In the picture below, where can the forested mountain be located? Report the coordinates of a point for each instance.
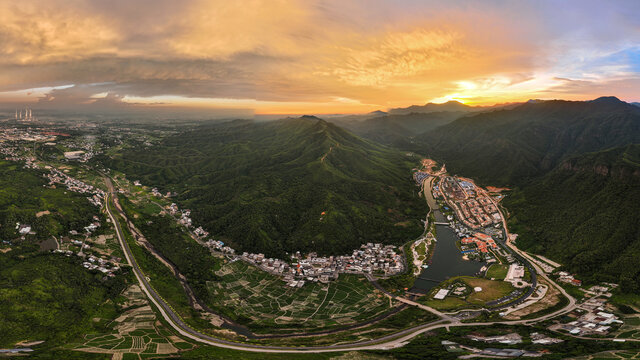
(511, 146)
(575, 167)
(585, 214)
(450, 106)
(281, 186)
(398, 130)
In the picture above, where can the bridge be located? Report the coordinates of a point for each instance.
(442, 223)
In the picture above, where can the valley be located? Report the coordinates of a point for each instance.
(204, 287)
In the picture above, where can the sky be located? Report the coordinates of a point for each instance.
(314, 57)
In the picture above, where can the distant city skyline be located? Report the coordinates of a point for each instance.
(315, 57)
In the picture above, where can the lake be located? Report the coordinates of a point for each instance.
(447, 260)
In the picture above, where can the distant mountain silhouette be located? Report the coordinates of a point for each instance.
(508, 146)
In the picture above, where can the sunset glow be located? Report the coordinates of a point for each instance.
(321, 57)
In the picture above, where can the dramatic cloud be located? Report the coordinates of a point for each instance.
(314, 56)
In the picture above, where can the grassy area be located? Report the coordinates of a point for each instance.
(421, 250)
(447, 304)
(497, 271)
(264, 302)
(491, 290)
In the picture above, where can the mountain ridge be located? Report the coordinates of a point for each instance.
(296, 184)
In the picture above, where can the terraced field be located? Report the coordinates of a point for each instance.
(261, 300)
(137, 334)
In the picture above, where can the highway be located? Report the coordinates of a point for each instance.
(386, 342)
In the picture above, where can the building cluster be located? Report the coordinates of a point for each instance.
(78, 155)
(419, 176)
(100, 264)
(56, 176)
(20, 134)
(592, 319)
(515, 274)
(454, 347)
(92, 262)
(185, 218)
(508, 339)
(482, 243)
(155, 192)
(538, 338)
(24, 229)
(471, 204)
(370, 258)
(568, 278)
(219, 246)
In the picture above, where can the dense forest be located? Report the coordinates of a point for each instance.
(509, 147)
(585, 214)
(282, 186)
(52, 297)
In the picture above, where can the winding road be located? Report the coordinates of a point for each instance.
(385, 342)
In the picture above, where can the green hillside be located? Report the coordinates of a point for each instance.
(23, 194)
(586, 215)
(398, 129)
(265, 186)
(52, 298)
(511, 146)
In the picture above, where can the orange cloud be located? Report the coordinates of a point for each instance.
(308, 56)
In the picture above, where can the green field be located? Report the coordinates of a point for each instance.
(421, 250)
(261, 300)
(497, 271)
(491, 290)
(135, 331)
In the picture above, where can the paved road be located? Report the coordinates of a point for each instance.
(538, 270)
(386, 342)
(179, 325)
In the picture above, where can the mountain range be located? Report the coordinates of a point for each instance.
(311, 185)
(281, 186)
(507, 147)
(574, 167)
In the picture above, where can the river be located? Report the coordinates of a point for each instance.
(446, 261)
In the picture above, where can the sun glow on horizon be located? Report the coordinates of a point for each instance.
(265, 57)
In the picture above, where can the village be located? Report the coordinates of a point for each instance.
(371, 258)
(378, 259)
(95, 259)
(472, 205)
(56, 176)
(593, 317)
